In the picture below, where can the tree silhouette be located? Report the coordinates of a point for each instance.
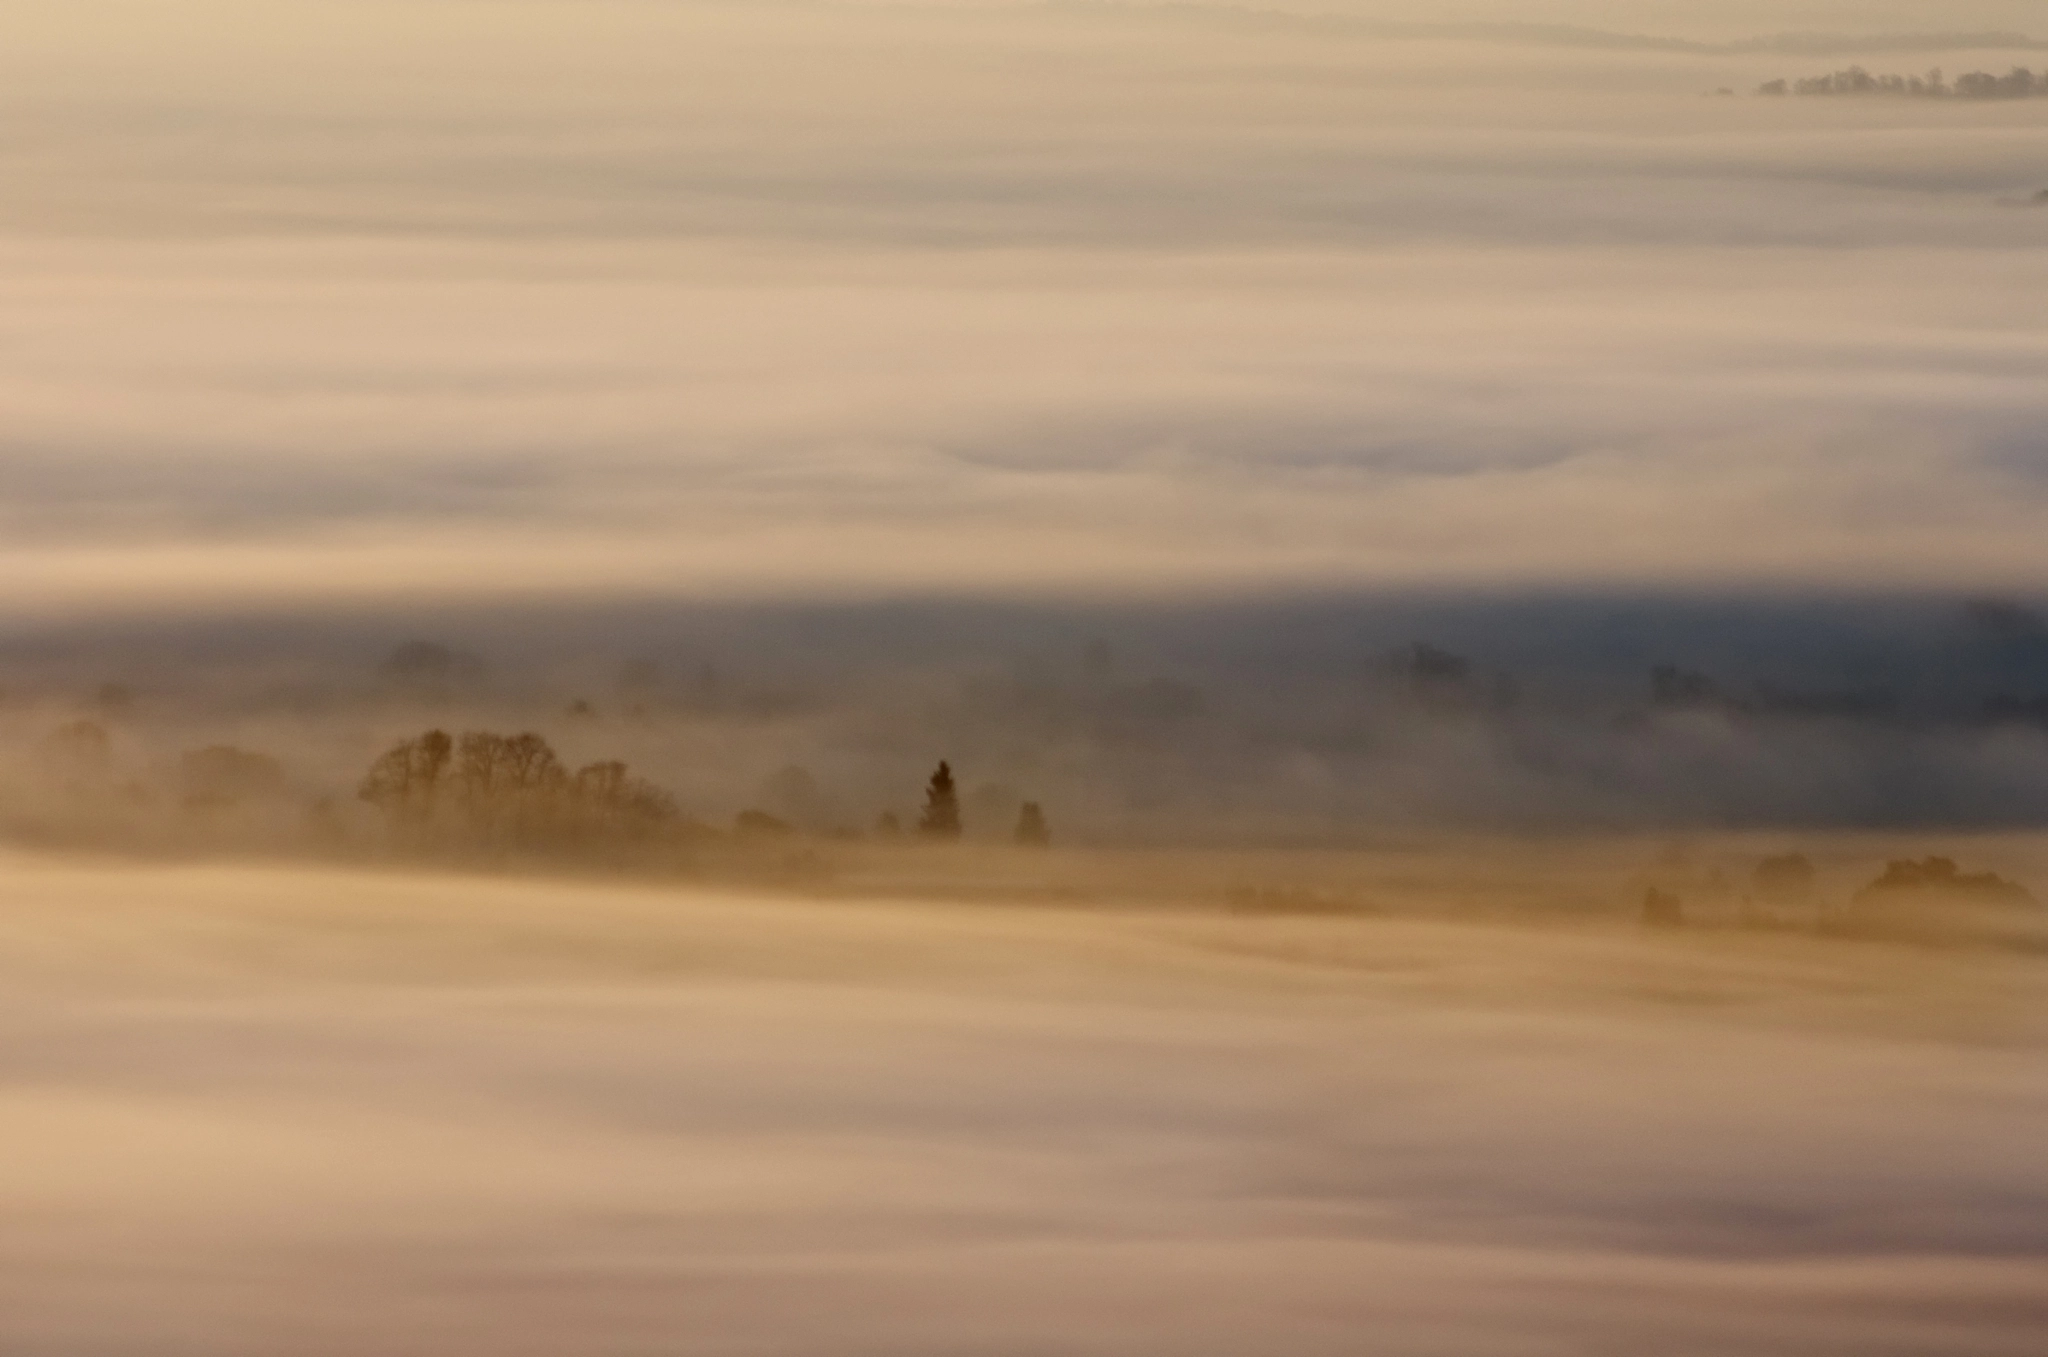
(406, 779)
(428, 668)
(1031, 830)
(941, 819)
(2018, 83)
(80, 754)
(512, 792)
(606, 799)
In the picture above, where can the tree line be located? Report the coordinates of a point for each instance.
(510, 790)
(2018, 83)
(507, 792)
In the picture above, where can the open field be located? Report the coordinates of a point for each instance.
(262, 1110)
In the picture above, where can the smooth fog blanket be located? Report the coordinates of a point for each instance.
(253, 1112)
(310, 303)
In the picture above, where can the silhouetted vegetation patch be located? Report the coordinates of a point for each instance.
(510, 792)
(1031, 831)
(78, 754)
(1941, 878)
(1933, 900)
(2018, 83)
(429, 663)
(2003, 618)
(1677, 690)
(1674, 688)
(941, 818)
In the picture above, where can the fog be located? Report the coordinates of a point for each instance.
(1268, 720)
(1009, 678)
(248, 1111)
(324, 307)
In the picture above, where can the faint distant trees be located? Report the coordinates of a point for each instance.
(2005, 620)
(1941, 879)
(1031, 829)
(1434, 678)
(222, 775)
(610, 793)
(1429, 668)
(639, 685)
(428, 667)
(793, 795)
(1671, 686)
(1783, 880)
(1676, 689)
(941, 818)
(1934, 900)
(2018, 83)
(79, 752)
(1447, 684)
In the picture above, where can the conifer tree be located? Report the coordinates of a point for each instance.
(941, 819)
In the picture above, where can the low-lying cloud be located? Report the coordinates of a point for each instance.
(331, 1112)
(720, 302)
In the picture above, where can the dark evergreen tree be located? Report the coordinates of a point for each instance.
(1031, 830)
(941, 819)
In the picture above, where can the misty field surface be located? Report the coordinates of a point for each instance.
(263, 1110)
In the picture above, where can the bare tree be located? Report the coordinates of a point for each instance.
(405, 781)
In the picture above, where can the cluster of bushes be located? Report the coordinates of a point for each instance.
(2018, 83)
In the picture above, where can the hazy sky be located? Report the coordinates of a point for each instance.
(449, 299)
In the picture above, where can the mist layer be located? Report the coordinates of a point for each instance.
(454, 301)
